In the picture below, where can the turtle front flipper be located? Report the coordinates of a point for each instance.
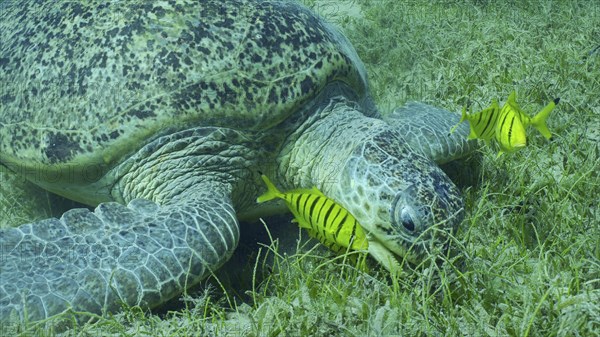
(140, 254)
(427, 130)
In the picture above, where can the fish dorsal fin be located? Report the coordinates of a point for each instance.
(512, 98)
(313, 190)
(512, 102)
(494, 104)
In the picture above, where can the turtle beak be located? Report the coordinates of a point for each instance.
(384, 256)
(393, 256)
(390, 259)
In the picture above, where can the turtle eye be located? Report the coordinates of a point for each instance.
(403, 212)
(407, 220)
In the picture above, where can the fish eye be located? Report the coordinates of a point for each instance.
(407, 220)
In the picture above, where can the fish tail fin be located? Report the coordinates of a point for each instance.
(463, 117)
(472, 134)
(539, 120)
(271, 193)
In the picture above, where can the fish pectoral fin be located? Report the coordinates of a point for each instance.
(359, 243)
(335, 247)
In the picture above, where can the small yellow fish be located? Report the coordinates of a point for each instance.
(510, 129)
(483, 123)
(508, 125)
(321, 216)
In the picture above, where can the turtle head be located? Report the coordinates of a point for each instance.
(402, 199)
(406, 204)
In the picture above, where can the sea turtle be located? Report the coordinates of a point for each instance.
(161, 114)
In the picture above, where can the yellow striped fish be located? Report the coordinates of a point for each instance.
(321, 216)
(512, 121)
(508, 125)
(483, 123)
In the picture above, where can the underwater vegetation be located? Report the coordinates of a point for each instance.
(525, 261)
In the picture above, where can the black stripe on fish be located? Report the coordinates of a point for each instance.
(479, 118)
(316, 209)
(303, 209)
(512, 121)
(492, 114)
(297, 197)
(313, 202)
(327, 212)
(353, 233)
(503, 122)
(340, 225)
(338, 209)
(320, 204)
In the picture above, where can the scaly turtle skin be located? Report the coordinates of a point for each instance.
(161, 115)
